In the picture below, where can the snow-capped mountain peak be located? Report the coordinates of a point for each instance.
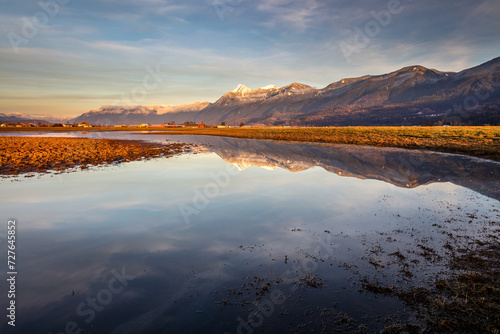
(269, 87)
(241, 89)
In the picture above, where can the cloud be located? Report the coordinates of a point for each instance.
(114, 46)
(290, 13)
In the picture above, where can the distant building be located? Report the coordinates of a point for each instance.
(145, 125)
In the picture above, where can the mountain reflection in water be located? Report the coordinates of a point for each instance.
(400, 167)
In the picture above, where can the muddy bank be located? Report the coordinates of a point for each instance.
(20, 155)
(425, 276)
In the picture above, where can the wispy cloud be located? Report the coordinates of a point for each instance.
(290, 13)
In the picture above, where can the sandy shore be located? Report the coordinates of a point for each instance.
(20, 155)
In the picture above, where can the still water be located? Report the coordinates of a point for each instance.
(242, 236)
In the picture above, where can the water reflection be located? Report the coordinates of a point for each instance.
(77, 230)
(399, 167)
(402, 168)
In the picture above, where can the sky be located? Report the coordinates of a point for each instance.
(66, 57)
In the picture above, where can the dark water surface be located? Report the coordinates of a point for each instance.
(245, 236)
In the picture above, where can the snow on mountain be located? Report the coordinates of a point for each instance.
(241, 89)
(116, 115)
(42, 117)
(108, 109)
(269, 87)
(161, 110)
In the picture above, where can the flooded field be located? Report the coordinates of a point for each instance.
(249, 236)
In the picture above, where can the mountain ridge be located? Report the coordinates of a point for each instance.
(412, 95)
(128, 115)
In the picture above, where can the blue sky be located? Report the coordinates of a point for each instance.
(74, 55)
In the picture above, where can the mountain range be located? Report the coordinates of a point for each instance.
(14, 118)
(413, 95)
(128, 115)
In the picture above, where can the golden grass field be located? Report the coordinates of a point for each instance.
(36, 154)
(477, 141)
(480, 141)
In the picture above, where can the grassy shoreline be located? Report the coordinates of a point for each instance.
(482, 141)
